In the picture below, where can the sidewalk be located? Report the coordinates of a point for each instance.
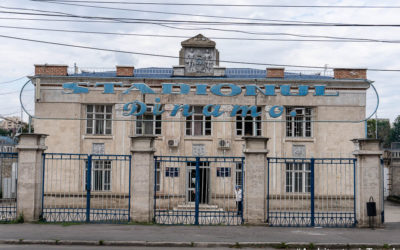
(199, 236)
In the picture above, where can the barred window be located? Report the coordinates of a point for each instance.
(101, 175)
(248, 125)
(148, 123)
(299, 125)
(223, 172)
(198, 124)
(171, 172)
(298, 176)
(239, 174)
(99, 119)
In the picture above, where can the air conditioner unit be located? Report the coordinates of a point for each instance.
(173, 143)
(225, 144)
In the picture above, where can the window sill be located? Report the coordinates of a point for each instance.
(104, 137)
(299, 139)
(198, 138)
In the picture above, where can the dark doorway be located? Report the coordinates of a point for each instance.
(204, 177)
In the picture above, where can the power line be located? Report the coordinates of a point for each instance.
(12, 80)
(173, 13)
(336, 39)
(13, 92)
(228, 5)
(176, 57)
(168, 21)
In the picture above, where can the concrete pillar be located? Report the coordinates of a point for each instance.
(369, 179)
(255, 188)
(30, 176)
(142, 178)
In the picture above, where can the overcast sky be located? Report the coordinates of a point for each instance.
(18, 57)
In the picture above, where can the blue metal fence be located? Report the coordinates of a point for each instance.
(198, 190)
(8, 186)
(311, 192)
(86, 188)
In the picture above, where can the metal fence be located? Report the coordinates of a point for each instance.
(86, 188)
(198, 190)
(8, 186)
(311, 192)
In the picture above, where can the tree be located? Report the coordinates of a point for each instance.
(395, 131)
(4, 132)
(383, 130)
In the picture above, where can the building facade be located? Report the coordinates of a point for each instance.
(201, 109)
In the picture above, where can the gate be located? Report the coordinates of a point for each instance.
(86, 188)
(311, 192)
(8, 186)
(198, 190)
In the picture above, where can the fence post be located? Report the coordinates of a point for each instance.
(142, 178)
(30, 176)
(368, 179)
(254, 207)
(88, 187)
(312, 193)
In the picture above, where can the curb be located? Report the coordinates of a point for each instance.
(277, 245)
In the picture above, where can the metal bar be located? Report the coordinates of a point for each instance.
(197, 191)
(354, 187)
(43, 169)
(155, 189)
(88, 187)
(129, 187)
(268, 191)
(312, 193)
(243, 191)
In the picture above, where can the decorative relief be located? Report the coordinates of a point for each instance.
(199, 149)
(199, 60)
(299, 151)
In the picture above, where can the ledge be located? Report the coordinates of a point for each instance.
(300, 139)
(198, 138)
(104, 137)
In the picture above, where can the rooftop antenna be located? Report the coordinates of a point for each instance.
(325, 69)
(75, 69)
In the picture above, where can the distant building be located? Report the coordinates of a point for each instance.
(7, 144)
(11, 123)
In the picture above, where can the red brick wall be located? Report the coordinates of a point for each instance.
(51, 70)
(350, 73)
(276, 72)
(125, 70)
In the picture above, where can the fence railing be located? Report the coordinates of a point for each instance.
(8, 185)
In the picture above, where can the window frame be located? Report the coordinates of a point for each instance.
(256, 124)
(299, 126)
(239, 174)
(91, 122)
(192, 121)
(224, 172)
(298, 180)
(105, 187)
(155, 121)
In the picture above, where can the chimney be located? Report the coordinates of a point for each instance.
(51, 70)
(125, 70)
(275, 72)
(342, 73)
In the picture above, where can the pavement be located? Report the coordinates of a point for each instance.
(82, 236)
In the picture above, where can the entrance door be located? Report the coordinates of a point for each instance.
(203, 179)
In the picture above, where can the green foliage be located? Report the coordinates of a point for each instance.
(383, 130)
(5, 132)
(395, 131)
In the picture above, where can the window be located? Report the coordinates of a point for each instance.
(171, 172)
(223, 172)
(299, 125)
(98, 119)
(298, 177)
(148, 123)
(158, 177)
(101, 175)
(239, 174)
(248, 125)
(198, 124)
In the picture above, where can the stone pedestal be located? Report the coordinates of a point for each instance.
(142, 178)
(369, 179)
(30, 176)
(255, 179)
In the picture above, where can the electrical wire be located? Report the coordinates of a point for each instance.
(169, 56)
(226, 5)
(217, 23)
(354, 40)
(7, 82)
